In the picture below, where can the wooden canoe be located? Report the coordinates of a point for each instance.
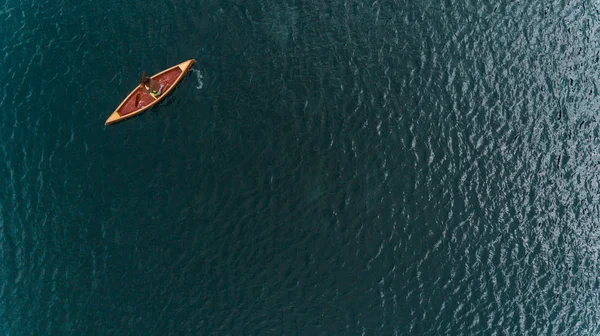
(169, 77)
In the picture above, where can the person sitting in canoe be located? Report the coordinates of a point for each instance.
(152, 86)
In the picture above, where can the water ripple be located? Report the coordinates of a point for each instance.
(351, 168)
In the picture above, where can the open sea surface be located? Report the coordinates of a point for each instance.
(345, 167)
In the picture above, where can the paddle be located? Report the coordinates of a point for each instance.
(137, 97)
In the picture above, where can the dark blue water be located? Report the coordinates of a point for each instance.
(327, 168)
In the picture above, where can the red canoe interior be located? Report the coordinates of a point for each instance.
(145, 98)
